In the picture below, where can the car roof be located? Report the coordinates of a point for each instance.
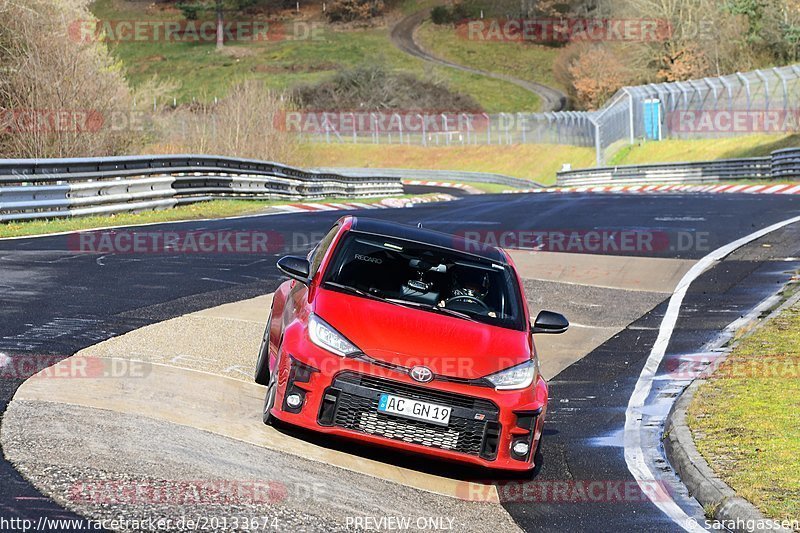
(427, 236)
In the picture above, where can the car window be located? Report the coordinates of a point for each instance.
(427, 277)
(318, 253)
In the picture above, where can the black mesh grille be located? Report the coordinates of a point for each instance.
(418, 393)
(464, 434)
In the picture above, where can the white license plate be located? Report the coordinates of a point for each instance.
(414, 409)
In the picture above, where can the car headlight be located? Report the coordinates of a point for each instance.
(323, 335)
(516, 377)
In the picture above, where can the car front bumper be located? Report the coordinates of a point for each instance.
(340, 397)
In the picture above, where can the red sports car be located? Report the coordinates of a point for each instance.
(411, 339)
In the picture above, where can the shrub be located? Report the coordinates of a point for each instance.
(596, 72)
(373, 88)
(450, 15)
(191, 11)
(353, 10)
(47, 71)
(243, 124)
(441, 15)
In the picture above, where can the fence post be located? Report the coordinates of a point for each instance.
(400, 125)
(597, 144)
(746, 83)
(630, 112)
(785, 89)
(765, 81)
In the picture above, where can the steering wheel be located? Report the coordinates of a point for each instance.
(470, 299)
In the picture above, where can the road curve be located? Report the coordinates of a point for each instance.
(57, 300)
(402, 36)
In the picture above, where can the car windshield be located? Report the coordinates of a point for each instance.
(426, 277)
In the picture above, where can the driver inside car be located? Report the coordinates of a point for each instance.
(469, 288)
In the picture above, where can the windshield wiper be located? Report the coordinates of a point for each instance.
(353, 290)
(434, 308)
(405, 303)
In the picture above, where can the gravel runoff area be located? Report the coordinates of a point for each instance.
(143, 469)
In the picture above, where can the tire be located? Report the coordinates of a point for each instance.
(538, 458)
(262, 366)
(269, 401)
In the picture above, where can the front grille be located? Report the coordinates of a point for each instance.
(352, 403)
(417, 393)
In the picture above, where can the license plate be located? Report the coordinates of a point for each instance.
(414, 409)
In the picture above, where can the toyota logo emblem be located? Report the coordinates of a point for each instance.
(422, 374)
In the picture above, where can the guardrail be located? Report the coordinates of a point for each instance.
(781, 164)
(786, 164)
(51, 188)
(696, 172)
(437, 175)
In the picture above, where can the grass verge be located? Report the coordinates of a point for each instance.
(674, 150)
(746, 418)
(535, 162)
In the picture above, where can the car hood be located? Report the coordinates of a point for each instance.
(407, 337)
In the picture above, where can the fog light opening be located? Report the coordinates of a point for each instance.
(521, 448)
(294, 400)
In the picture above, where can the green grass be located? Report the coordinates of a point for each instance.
(202, 73)
(746, 422)
(529, 161)
(703, 149)
(527, 61)
(203, 210)
(535, 162)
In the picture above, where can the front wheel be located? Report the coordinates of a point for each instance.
(262, 366)
(537, 455)
(269, 400)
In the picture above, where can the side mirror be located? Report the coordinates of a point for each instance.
(296, 268)
(549, 322)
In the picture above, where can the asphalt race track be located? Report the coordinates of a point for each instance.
(56, 300)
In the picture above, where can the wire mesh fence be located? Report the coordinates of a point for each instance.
(761, 101)
(441, 129)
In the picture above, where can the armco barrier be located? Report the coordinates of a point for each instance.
(50, 188)
(781, 164)
(786, 164)
(437, 175)
(697, 172)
